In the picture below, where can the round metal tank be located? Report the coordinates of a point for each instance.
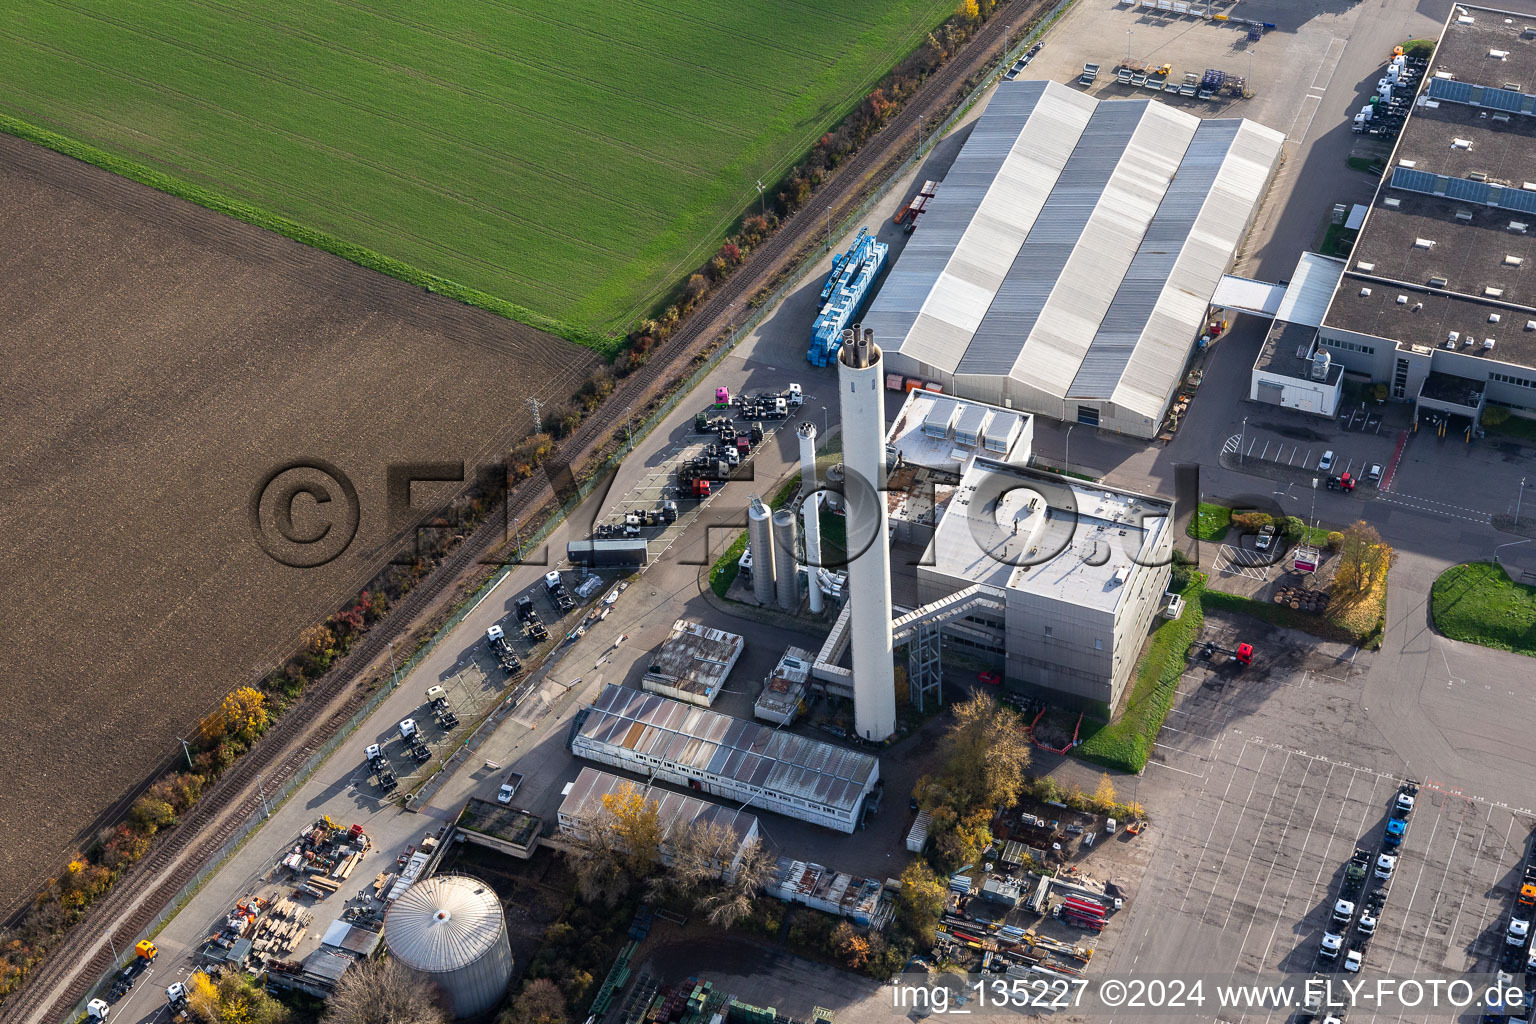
(760, 539)
(786, 573)
(450, 930)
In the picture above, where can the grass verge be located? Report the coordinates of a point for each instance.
(1127, 743)
(1210, 522)
(1359, 622)
(1478, 603)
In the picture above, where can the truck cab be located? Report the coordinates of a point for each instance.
(509, 788)
(1519, 931)
(374, 753)
(1332, 943)
(493, 636)
(795, 395)
(1402, 806)
(1343, 912)
(1353, 960)
(1386, 863)
(436, 694)
(1396, 827)
(552, 581)
(1367, 924)
(408, 729)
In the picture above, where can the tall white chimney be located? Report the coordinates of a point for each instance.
(807, 432)
(860, 380)
(810, 509)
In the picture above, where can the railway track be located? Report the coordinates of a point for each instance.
(70, 971)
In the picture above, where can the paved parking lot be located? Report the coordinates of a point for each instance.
(1269, 779)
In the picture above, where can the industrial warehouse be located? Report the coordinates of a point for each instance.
(1066, 266)
(766, 769)
(1432, 301)
(583, 805)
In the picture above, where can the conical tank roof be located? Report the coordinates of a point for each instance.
(442, 924)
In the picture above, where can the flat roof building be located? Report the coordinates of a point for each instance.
(1435, 286)
(693, 662)
(1066, 265)
(784, 689)
(765, 769)
(1080, 568)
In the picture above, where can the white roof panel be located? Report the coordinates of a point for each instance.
(1312, 286)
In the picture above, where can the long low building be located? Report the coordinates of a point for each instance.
(1067, 264)
(766, 769)
(674, 811)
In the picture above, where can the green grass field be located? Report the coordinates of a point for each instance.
(576, 162)
(1478, 603)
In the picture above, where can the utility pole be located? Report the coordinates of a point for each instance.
(1313, 515)
(517, 536)
(262, 792)
(394, 677)
(762, 200)
(1242, 441)
(1518, 496)
(113, 946)
(829, 229)
(1066, 461)
(538, 421)
(629, 418)
(188, 750)
(1127, 45)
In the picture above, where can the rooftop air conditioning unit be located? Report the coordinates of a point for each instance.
(1364, 292)
(1493, 318)
(1487, 344)
(1402, 300)
(1451, 341)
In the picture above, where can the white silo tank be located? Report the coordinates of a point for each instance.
(450, 930)
(786, 573)
(760, 540)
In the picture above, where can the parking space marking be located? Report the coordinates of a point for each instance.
(1296, 871)
(1450, 935)
(1302, 123)
(1284, 833)
(1418, 879)
(1236, 562)
(1194, 875)
(1247, 802)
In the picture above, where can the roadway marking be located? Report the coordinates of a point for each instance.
(1476, 856)
(1263, 821)
(1232, 841)
(1303, 119)
(1194, 876)
(1331, 59)
(1435, 827)
(1439, 508)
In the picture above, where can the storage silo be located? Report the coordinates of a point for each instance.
(760, 540)
(786, 566)
(450, 930)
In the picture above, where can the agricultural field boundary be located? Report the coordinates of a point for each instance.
(262, 218)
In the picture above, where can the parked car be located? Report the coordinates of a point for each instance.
(1325, 463)
(1374, 474)
(1266, 537)
(990, 678)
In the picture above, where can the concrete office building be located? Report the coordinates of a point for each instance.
(1433, 301)
(1067, 265)
(1080, 569)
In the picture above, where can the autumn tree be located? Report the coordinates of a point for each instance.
(236, 998)
(1104, 796)
(619, 845)
(851, 946)
(245, 713)
(730, 901)
(920, 901)
(540, 1002)
(983, 756)
(1363, 558)
(384, 992)
(968, 11)
(317, 641)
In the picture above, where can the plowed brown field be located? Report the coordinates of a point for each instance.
(159, 361)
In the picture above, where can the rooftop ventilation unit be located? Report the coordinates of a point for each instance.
(1418, 306)
(1451, 341)
(1464, 215)
(1493, 293)
(1362, 265)
(1513, 261)
(1423, 243)
(1487, 344)
(1402, 300)
(1518, 226)
(1530, 325)
(1461, 143)
(1364, 292)
(1392, 202)
(1493, 318)
(1407, 163)
(1478, 175)
(1438, 282)
(1498, 54)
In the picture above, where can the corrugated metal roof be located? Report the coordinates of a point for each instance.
(1312, 285)
(444, 923)
(1078, 237)
(673, 810)
(729, 747)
